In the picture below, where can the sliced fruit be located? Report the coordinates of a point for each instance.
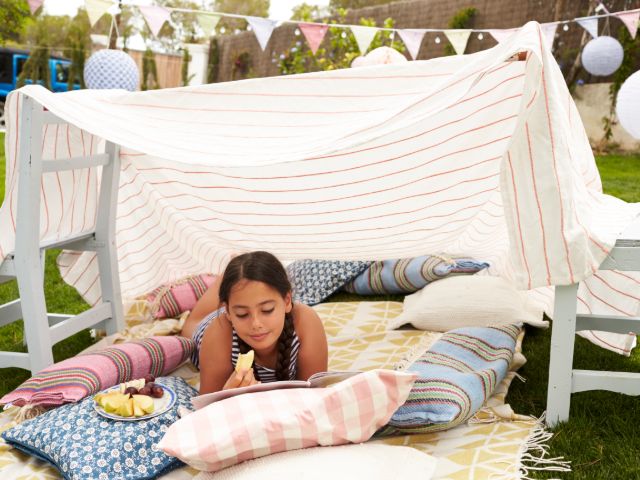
(113, 403)
(245, 361)
(126, 408)
(144, 403)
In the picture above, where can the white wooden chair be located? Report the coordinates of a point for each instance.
(563, 379)
(26, 263)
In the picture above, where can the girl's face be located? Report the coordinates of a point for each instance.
(256, 311)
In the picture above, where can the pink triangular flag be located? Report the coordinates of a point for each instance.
(501, 34)
(549, 32)
(314, 33)
(155, 17)
(590, 25)
(262, 29)
(630, 19)
(34, 5)
(413, 40)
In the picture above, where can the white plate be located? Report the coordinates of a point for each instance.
(160, 405)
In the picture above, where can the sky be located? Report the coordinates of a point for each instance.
(279, 10)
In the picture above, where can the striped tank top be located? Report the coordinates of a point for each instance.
(265, 374)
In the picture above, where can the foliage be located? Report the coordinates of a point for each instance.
(306, 12)
(336, 5)
(340, 52)
(78, 42)
(36, 68)
(186, 58)
(149, 71)
(462, 19)
(255, 8)
(214, 60)
(14, 15)
(241, 67)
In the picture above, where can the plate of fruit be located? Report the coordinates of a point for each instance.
(134, 400)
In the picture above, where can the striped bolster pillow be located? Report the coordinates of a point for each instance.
(75, 378)
(172, 299)
(407, 275)
(455, 377)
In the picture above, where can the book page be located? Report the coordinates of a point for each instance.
(326, 379)
(204, 400)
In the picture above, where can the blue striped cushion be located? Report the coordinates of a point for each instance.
(455, 377)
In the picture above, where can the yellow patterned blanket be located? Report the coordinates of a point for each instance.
(491, 445)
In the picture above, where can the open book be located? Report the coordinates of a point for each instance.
(317, 380)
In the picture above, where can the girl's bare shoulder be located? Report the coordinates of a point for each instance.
(305, 319)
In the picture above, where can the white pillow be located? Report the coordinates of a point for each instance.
(467, 301)
(370, 461)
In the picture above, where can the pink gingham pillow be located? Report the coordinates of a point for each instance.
(257, 424)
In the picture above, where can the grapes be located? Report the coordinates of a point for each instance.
(149, 378)
(131, 391)
(157, 391)
(146, 390)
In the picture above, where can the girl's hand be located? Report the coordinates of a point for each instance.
(243, 378)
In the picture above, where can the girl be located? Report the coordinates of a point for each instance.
(250, 308)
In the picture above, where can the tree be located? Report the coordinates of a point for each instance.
(14, 14)
(335, 5)
(78, 43)
(255, 8)
(306, 12)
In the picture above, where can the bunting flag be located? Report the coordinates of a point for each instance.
(458, 39)
(413, 40)
(155, 17)
(208, 23)
(501, 34)
(590, 25)
(96, 8)
(630, 19)
(364, 36)
(314, 33)
(34, 5)
(262, 28)
(549, 32)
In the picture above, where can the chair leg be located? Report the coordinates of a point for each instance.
(561, 358)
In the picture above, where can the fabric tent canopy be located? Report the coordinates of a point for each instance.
(472, 154)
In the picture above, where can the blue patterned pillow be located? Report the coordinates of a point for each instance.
(455, 377)
(315, 280)
(82, 444)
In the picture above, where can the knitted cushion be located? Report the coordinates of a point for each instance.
(455, 377)
(172, 299)
(84, 445)
(73, 379)
(408, 275)
(315, 280)
(253, 425)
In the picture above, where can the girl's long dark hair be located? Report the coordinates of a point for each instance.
(266, 268)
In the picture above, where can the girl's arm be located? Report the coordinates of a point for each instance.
(313, 353)
(209, 302)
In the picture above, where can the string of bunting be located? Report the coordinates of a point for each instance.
(155, 17)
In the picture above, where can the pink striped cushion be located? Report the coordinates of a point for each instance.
(75, 378)
(169, 301)
(257, 424)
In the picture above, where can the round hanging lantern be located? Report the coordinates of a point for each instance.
(111, 69)
(628, 105)
(602, 56)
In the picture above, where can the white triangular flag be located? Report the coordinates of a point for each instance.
(412, 39)
(458, 39)
(549, 32)
(155, 17)
(96, 8)
(208, 23)
(364, 36)
(590, 25)
(262, 28)
(501, 34)
(630, 19)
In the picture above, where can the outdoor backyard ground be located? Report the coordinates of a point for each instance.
(601, 437)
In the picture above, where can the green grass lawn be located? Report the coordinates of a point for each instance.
(600, 438)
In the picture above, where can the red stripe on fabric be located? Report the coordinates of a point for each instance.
(535, 191)
(298, 78)
(62, 209)
(303, 95)
(625, 275)
(73, 175)
(606, 303)
(15, 161)
(515, 196)
(555, 169)
(615, 289)
(600, 339)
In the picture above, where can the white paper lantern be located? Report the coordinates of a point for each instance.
(602, 56)
(379, 56)
(628, 105)
(111, 69)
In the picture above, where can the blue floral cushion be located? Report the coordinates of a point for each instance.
(315, 280)
(80, 443)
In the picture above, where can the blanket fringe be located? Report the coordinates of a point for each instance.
(415, 352)
(533, 455)
(27, 412)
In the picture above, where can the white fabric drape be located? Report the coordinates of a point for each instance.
(468, 154)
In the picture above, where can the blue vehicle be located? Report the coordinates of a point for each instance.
(12, 61)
